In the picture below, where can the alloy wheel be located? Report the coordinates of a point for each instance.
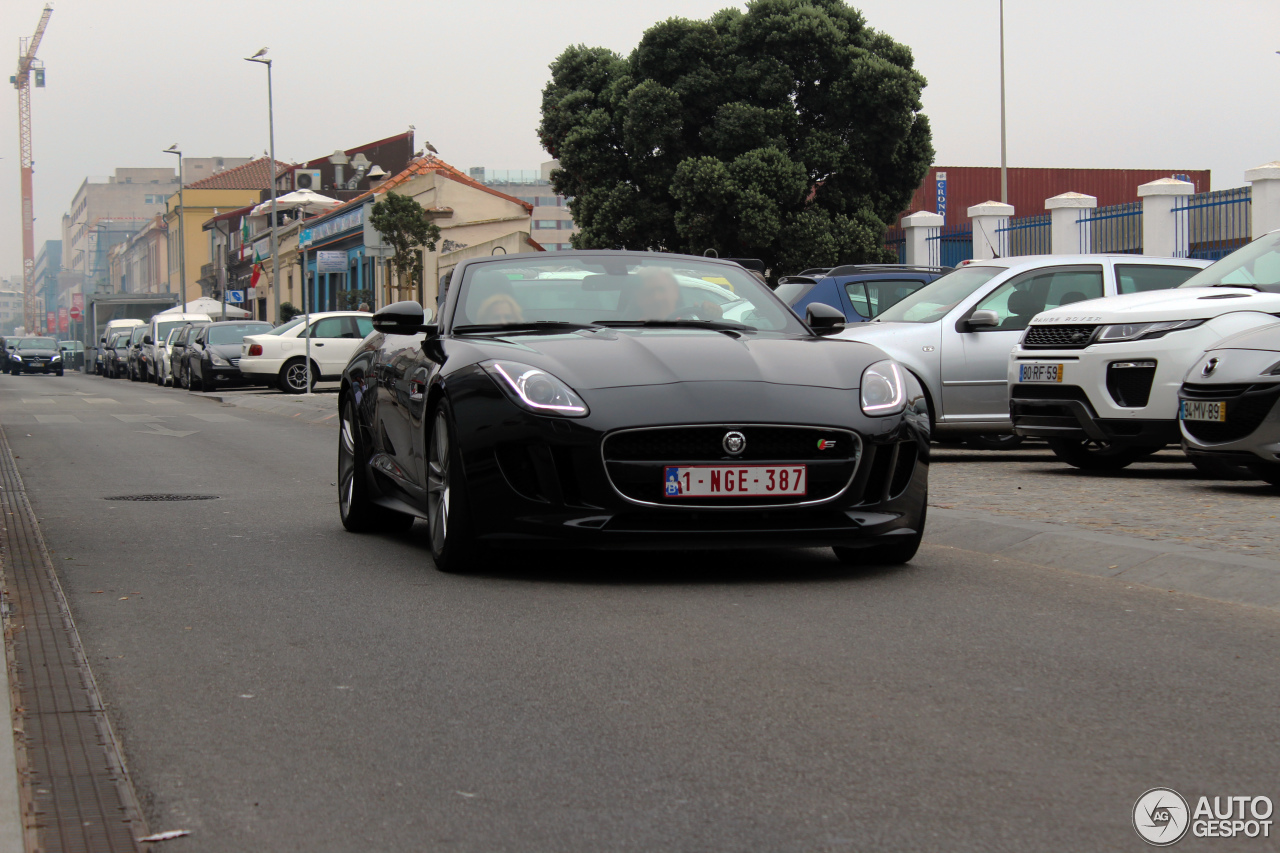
(296, 376)
(346, 464)
(438, 487)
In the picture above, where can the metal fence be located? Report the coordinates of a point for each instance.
(1027, 235)
(1116, 228)
(895, 240)
(950, 244)
(1212, 225)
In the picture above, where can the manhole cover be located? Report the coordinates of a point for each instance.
(162, 498)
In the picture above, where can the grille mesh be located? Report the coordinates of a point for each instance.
(1059, 337)
(703, 444)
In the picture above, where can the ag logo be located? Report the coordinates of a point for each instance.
(1161, 817)
(1209, 367)
(734, 443)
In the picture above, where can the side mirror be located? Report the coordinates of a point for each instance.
(823, 319)
(403, 318)
(983, 320)
(102, 340)
(146, 339)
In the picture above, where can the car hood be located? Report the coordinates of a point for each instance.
(42, 353)
(226, 350)
(1180, 303)
(1264, 339)
(618, 358)
(891, 337)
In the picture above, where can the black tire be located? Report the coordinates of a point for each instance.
(1089, 455)
(184, 379)
(194, 382)
(59, 372)
(358, 512)
(995, 442)
(293, 376)
(453, 546)
(891, 554)
(1266, 471)
(1218, 468)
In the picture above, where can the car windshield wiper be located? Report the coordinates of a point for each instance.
(531, 326)
(1249, 285)
(715, 325)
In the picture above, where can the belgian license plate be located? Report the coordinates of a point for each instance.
(717, 481)
(1203, 410)
(1040, 372)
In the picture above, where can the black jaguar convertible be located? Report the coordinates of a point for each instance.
(628, 399)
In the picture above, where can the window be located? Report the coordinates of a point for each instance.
(1134, 278)
(870, 298)
(790, 292)
(364, 326)
(932, 302)
(330, 327)
(1018, 300)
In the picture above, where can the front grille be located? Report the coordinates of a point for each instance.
(704, 444)
(635, 459)
(1058, 337)
(1130, 387)
(1245, 413)
(1193, 391)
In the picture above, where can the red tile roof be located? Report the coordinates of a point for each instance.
(254, 175)
(427, 165)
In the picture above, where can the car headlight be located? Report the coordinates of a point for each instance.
(1143, 331)
(56, 358)
(217, 359)
(883, 390)
(535, 389)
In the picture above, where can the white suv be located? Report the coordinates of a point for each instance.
(1099, 379)
(279, 356)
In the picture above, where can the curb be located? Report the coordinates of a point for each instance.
(1235, 578)
(281, 405)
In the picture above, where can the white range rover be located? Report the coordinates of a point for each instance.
(1099, 379)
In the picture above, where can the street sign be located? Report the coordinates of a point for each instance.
(77, 302)
(64, 324)
(235, 296)
(328, 262)
(942, 194)
(304, 239)
(76, 313)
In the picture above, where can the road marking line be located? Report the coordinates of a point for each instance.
(57, 419)
(219, 418)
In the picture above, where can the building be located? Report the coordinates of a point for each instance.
(107, 211)
(551, 222)
(474, 220)
(952, 190)
(46, 275)
(201, 200)
(11, 303)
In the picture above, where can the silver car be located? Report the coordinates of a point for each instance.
(955, 334)
(1227, 406)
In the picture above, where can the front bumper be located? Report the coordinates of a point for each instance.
(1251, 430)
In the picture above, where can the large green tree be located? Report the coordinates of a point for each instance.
(791, 133)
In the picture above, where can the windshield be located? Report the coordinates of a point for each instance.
(617, 290)
(931, 303)
(233, 334)
(292, 324)
(1255, 265)
(37, 343)
(138, 334)
(791, 291)
(163, 329)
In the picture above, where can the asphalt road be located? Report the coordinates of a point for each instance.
(279, 684)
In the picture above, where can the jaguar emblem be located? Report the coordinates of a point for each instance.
(1209, 367)
(734, 443)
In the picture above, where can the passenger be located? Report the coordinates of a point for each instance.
(659, 298)
(500, 309)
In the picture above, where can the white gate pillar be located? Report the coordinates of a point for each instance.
(1265, 198)
(1066, 235)
(1161, 238)
(988, 218)
(916, 229)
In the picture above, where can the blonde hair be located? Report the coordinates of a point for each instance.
(497, 301)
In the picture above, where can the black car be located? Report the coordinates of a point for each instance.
(7, 346)
(36, 355)
(116, 351)
(178, 354)
(213, 353)
(133, 355)
(628, 399)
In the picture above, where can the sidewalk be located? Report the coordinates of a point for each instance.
(320, 407)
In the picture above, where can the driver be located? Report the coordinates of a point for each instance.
(500, 309)
(659, 298)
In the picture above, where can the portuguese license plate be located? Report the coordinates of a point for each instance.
(1203, 410)
(720, 481)
(1040, 372)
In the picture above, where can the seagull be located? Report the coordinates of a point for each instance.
(262, 52)
(430, 147)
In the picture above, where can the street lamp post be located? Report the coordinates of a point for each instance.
(182, 241)
(260, 57)
(1004, 169)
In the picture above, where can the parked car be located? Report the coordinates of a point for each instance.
(956, 333)
(7, 345)
(609, 416)
(133, 356)
(1100, 380)
(37, 355)
(117, 353)
(112, 326)
(178, 354)
(860, 291)
(279, 356)
(213, 353)
(1227, 406)
(153, 343)
(73, 354)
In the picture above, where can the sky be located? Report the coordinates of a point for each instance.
(1160, 84)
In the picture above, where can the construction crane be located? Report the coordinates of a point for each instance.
(22, 82)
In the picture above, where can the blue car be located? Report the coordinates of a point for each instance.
(859, 291)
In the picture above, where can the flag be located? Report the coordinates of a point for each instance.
(257, 274)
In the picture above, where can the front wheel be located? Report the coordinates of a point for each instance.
(1090, 455)
(888, 554)
(1266, 471)
(452, 542)
(59, 372)
(293, 377)
(1217, 468)
(360, 514)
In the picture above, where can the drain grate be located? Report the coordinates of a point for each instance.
(162, 498)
